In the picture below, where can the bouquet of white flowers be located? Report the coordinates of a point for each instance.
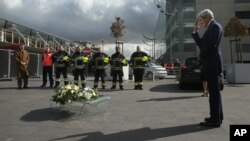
(71, 92)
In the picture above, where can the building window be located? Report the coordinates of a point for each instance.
(243, 14)
(241, 1)
(189, 15)
(188, 31)
(189, 47)
(188, 1)
(245, 47)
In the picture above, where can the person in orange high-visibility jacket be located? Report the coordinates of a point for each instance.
(47, 61)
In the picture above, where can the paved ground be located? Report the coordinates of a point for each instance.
(160, 112)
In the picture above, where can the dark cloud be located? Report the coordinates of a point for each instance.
(72, 20)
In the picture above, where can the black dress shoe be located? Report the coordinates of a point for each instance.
(43, 85)
(25, 87)
(210, 124)
(209, 119)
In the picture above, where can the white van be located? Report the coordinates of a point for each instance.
(154, 68)
(151, 68)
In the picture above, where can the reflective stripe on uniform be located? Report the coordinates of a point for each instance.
(83, 81)
(59, 65)
(82, 65)
(97, 60)
(140, 83)
(136, 83)
(138, 67)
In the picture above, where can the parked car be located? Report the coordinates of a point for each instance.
(151, 68)
(190, 73)
(154, 68)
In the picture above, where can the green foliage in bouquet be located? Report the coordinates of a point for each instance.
(71, 92)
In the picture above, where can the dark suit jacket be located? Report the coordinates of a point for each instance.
(209, 45)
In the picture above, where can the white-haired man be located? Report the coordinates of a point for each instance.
(211, 62)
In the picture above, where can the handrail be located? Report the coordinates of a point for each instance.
(14, 35)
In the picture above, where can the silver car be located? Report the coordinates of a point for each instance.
(153, 68)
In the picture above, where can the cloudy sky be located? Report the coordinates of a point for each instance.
(84, 19)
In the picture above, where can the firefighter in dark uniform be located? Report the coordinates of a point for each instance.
(117, 62)
(61, 61)
(79, 61)
(137, 61)
(47, 61)
(100, 61)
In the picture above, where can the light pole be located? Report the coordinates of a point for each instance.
(151, 48)
(153, 43)
(102, 44)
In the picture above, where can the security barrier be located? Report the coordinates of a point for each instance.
(8, 64)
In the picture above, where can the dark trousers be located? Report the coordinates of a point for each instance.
(119, 74)
(81, 73)
(99, 73)
(63, 71)
(138, 74)
(48, 70)
(215, 101)
(22, 79)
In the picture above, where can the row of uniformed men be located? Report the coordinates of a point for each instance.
(99, 61)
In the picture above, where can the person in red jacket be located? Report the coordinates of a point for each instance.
(47, 61)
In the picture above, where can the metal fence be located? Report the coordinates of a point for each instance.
(8, 64)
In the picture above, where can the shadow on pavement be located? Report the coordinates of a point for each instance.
(169, 98)
(46, 114)
(29, 88)
(142, 134)
(8, 88)
(235, 85)
(174, 88)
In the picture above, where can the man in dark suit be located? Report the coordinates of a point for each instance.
(211, 62)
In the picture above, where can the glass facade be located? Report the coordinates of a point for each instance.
(160, 28)
(179, 16)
